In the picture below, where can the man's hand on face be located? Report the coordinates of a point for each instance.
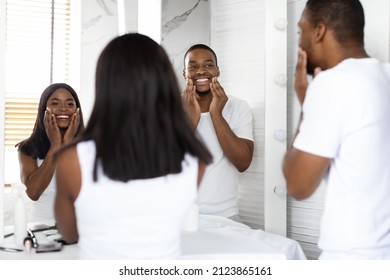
(191, 105)
(219, 97)
(301, 83)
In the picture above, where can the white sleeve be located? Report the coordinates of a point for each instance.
(320, 131)
(243, 126)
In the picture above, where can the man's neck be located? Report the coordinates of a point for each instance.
(204, 101)
(346, 52)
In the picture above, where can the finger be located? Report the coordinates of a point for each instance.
(216, 87)
(77, 118)
(50, 119)
(302, 60)
(53, 121)
(300, 84)
(191, 87)
(46, 117)
(73, 119)
(188, 86)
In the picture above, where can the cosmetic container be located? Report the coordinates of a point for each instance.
(20, 219)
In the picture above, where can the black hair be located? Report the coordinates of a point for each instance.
(38, 144)
(138, 122)
(203, 47)
(344, 17)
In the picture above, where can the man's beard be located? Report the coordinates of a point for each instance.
(310, 69)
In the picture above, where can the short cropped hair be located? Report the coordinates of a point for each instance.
(203, 47)
(344, 17)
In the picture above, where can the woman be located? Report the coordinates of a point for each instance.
(58, 121)
(123, 190)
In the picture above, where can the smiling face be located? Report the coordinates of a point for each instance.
(200, 66)
(63, 106)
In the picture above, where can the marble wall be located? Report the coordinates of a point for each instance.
(184, 23)
(99, 25)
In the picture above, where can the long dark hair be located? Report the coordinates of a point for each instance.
(38, 144)
(138, 122)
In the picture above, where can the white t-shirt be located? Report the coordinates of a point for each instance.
(346, 117)
(140, 219)
(218, 191)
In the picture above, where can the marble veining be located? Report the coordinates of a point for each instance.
(106, 6)
(109, 8)
(91, 22)
(177, 21)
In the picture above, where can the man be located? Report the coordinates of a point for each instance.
(344, 132)
(225, 124)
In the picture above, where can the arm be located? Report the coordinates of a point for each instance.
(303, 171)
(68, 179)
(37, 178)
(239, 151)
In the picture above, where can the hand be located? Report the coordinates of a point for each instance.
(301, 83)
(73, 126)
(219, 97)
(51, 128)
(190, 103)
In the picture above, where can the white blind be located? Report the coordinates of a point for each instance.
(241, 63)
(37, 54)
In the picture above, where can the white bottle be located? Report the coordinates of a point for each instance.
(20, 220)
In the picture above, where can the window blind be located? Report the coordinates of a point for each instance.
(37, 54)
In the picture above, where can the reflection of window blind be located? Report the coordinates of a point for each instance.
(242, 75)
(37, 54)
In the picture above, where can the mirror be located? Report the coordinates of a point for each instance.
(183, 23)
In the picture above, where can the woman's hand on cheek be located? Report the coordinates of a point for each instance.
(52, 130)
(73, 126)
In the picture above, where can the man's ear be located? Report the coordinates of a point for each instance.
(321, 30)
(218, 72)
(184, 74)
